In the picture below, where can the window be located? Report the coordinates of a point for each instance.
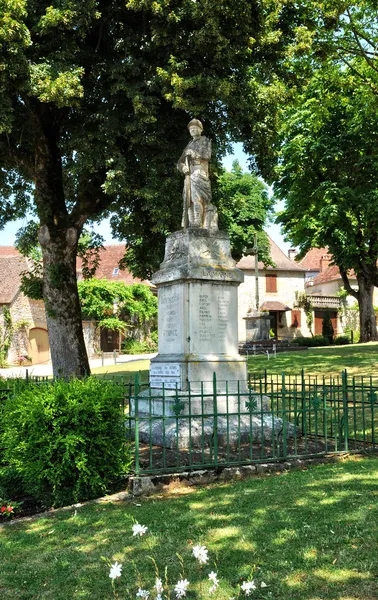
(271, 283)
(295, 318)
(115, 271)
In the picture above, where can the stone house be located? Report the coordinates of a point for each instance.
(30, 337)
(276, 292)
(28, 317)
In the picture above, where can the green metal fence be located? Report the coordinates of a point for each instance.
(268, 418)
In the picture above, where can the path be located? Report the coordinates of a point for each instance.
(45, 369)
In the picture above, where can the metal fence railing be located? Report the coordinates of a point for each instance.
(268, 418)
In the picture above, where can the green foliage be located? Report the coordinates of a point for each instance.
(303, 301)
(327, 327)
(341, 340)
(102, 299)
(146, 346)
(244, 209)
(6, 335)
(310, 342)
(66, 439)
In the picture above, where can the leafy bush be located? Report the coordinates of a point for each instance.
(66, 439)
(341, 340)
(132, 346)
(327, 328)
(310, 342)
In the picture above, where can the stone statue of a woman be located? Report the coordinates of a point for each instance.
(194, 164)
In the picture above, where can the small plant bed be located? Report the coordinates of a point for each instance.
(297, 535)
(155, 459)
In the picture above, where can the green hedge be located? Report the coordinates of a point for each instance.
(310, 342)
(65, 440)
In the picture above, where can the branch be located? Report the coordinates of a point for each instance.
(347, 285)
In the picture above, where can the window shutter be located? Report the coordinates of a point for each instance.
(296, 318)
(271, 283)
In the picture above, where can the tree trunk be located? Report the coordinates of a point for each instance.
(368, 325)
(63, 311)
(58, 237)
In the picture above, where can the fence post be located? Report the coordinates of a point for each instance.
(215, 419)
(345, 408)
(136, 405)
(115, 356)
(27, 375)
(102, 359)
(284, 423)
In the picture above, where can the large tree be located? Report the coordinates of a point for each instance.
(328, 177)
(95, 96)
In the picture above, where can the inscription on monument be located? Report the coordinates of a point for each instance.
(205, 319)
(223, 317)
(165, 374)
(169, 306)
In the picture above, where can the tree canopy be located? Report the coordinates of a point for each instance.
(245, 208)
(94, 102)
(328, 178)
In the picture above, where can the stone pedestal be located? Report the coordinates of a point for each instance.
(257, 326)
(197, 317)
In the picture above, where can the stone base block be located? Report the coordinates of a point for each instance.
(176, 433)
(170, 403)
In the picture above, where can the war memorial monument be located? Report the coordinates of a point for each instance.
(197, 321)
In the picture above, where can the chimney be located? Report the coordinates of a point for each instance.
(292, 253)
(324, 261)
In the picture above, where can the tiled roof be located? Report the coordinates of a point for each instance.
(283, 263)
(312, 260)
(109, 266)
(9, 251)
(331, 273)
(273, 305)
(11, 268)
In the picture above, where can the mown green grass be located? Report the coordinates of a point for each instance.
(311, 534)
(357, 359)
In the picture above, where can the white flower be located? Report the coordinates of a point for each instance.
(263, 585)
(247, 587)
(214, 578)
(200, 553)
(181, 587)
(159, 586)
(115, 570)
(142, 593)
(139, 529)
(159, 597)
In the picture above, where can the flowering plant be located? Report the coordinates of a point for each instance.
(162, 589)
(7, 509)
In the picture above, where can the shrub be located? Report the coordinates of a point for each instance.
(131, 346)
(66, 439)
(341, 340)
(310, 342)
(327, 327)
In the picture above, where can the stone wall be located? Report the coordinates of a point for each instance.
(26, 314)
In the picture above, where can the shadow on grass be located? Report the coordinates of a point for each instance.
(357, 359)
(312, 535)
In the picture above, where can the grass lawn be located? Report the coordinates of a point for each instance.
(358, 359)
(122, 369)
(311, 534)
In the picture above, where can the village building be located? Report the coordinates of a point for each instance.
(28, 317)
(277, 287)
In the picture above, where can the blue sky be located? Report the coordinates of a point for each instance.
(8, 234)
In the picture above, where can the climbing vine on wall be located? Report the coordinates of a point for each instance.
(304, 302)
(6, 334)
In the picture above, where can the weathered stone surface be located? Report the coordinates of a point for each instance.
(176, 432)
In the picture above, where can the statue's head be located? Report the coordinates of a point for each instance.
(195, 128)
